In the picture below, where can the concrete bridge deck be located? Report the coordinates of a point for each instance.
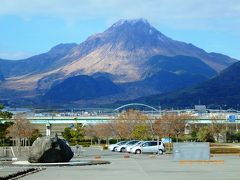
(105, 119)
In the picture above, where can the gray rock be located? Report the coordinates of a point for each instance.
(50, 150)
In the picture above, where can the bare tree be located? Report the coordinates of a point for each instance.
(171, 125)
(100, 131)
(128, 124)
(90, 132)
(21, 128)
(103, 131)
(217, 129)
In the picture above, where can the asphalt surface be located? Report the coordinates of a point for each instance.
(140, 167)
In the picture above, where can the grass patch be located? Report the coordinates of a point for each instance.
(219, 145)
(222, 148)
(225, 151)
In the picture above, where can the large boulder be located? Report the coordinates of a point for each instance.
(50, 150)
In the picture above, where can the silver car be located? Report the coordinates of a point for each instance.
(149, 147)
(122, 148)
(129, 148)
(113, 147)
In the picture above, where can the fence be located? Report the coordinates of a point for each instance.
(13, 151)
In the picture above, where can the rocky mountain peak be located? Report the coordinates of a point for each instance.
(133, 26)
(126, 35)
(131, 35)
(131, 22)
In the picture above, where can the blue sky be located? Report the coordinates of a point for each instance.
(33, 27)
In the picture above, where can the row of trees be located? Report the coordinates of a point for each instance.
(130, 124)
(136, 125)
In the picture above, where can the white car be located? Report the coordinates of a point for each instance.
(122, 148)
(129, 148)
(149, 147)
(113, 147)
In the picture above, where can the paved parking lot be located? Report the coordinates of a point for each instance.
(143, 167)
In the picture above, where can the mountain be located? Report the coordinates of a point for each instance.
(1, 77)
(124, 48)
(178, 65)
(38, 63)
(221, 90)
(82, 87)
(165, 81)
(166, 74)
(130, 52)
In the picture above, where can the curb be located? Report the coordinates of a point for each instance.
(23, 173)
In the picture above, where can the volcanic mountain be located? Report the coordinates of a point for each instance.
(123, 53)
(123, 49)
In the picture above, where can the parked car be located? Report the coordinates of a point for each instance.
(149, 147)
(113, 147)
(129, 148)
(122, 148)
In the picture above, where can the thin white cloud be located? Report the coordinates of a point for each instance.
(15, 55)
(216, 15)
(175, 13)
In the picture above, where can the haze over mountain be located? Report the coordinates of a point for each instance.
(131, 53)
(222, 90)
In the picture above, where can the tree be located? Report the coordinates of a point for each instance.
(3, 133)
(3, 126)
(67, 134)
(128, 122)
(171, 125)
(4, 114)
(100, 131)
(217, 129)
(103, 131)
(141, 131)
(22, 129)
(74, 135)
(232, 136)
(205, 134)
(90, 132)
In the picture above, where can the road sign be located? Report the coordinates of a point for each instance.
(231, 118)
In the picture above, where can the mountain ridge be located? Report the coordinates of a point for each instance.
(222, 90)
(170, 79)
(121, 52)
(37, 63)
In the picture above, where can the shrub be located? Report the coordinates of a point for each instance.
(85, 144)
(105, 147)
